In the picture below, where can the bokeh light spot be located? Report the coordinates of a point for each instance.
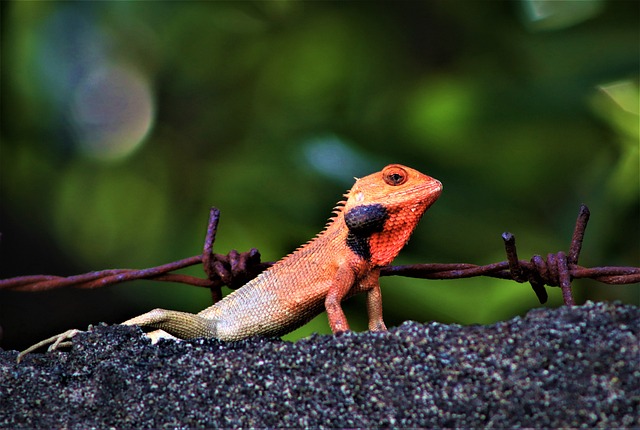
(332, 156)
(556, 14)
(624, 94)
(112, 111)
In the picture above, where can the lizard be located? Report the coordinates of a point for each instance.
(368, 229)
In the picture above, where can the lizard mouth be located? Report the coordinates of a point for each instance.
(426, 194)
(430, 190)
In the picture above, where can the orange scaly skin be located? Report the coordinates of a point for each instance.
(321, 273)
(368, 230)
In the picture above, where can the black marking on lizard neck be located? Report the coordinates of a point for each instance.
(362, 221)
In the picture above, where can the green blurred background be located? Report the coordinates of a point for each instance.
(123, 122)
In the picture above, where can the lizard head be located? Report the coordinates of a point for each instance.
(383, 209)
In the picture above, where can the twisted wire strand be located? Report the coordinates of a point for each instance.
(236, 268)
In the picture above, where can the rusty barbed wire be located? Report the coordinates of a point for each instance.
(235, 269)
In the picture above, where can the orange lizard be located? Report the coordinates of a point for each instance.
(367, 231)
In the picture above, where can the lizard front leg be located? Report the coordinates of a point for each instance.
(374, 309)
(371, 284)
(344, 280)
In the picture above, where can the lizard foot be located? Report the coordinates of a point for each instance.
(61, 340)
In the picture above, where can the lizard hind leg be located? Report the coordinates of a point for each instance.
(62, 340)
(179, 324)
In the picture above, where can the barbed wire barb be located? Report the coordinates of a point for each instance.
(235, 269)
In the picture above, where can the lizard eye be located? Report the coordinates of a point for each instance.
(395, 175)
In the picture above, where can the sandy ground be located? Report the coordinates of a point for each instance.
(577, 367)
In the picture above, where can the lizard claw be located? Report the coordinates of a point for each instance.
(58, 341)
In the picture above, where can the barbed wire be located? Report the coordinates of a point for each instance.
(235, 269)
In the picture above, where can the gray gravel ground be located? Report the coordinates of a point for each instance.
(565, 367)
